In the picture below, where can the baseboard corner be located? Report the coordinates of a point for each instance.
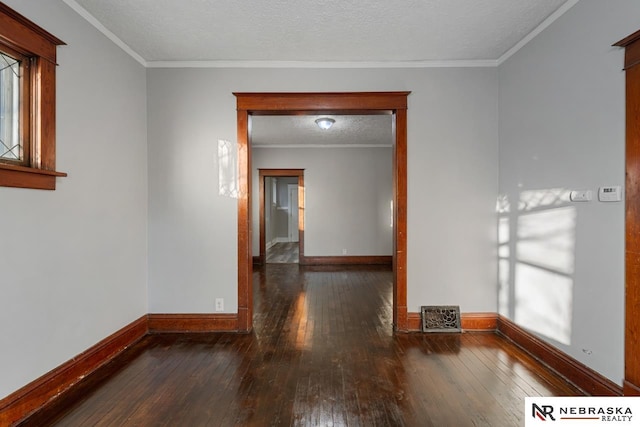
(51, 386)
(585, 378)
(630, 389)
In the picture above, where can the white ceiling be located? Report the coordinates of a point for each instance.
(296, 131)
(319, 31)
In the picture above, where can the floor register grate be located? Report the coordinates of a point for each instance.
(440, 318)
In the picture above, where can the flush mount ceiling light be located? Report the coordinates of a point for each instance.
(325, 123)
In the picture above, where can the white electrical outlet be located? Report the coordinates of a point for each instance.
(219, 304)
(344, 252)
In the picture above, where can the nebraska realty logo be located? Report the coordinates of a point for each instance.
(582, 411)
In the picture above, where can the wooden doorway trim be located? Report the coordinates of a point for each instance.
(632, 216)
(394, 103)
(298, 173)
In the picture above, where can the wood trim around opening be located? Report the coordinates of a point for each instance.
(245, 240)
(286, 103)
(263, 173)
(395, 103)
(632, 215)
(400, 317)
(632, 49)
(42, 391)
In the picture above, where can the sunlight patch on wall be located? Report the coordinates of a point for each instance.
(228, 169)
(546, 239)
(536, 261)
(504, 269)
(545, 251)
(537, 199)
(543, 302)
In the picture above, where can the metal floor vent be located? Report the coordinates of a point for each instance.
(440, 318)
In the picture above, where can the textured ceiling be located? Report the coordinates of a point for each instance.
(285, 131)
(319, 31)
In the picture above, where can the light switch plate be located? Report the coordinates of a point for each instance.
(581, 196)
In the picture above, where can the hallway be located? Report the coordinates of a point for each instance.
(322, 354)
(283, 253)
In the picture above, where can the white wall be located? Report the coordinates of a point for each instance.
(562, 121)
(347, 194)
(452, 179)
(73, 261)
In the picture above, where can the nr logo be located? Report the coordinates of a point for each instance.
(543, 412)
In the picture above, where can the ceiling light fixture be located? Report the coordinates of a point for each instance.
(325, 123)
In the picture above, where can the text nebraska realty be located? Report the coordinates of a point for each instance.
(605, 413)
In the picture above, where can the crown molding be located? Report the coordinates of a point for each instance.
(540, 28)
(473, 63)
(115, 39)
(321, 145)
(324, 64)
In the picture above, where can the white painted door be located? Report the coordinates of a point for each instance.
(293, 213)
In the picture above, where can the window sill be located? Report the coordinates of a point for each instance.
(24, 177)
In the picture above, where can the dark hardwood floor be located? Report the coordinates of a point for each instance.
(283, 253)
(322, 354)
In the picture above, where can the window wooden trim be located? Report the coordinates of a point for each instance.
(20, 34)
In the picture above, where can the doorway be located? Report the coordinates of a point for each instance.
(276, 186)
(393, 103)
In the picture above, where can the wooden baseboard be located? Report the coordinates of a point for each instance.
(630, 389)
(347, 260)
(53, 385)
(414, 322)
(579, 374)
(477, 322)
(221, 322)
(44, 390)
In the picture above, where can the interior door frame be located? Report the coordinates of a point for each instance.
(631, 385)
(343, 103)
(263, 174)
(293, 227)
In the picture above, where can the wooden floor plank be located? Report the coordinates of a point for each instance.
(284, 253)
(322, 353)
